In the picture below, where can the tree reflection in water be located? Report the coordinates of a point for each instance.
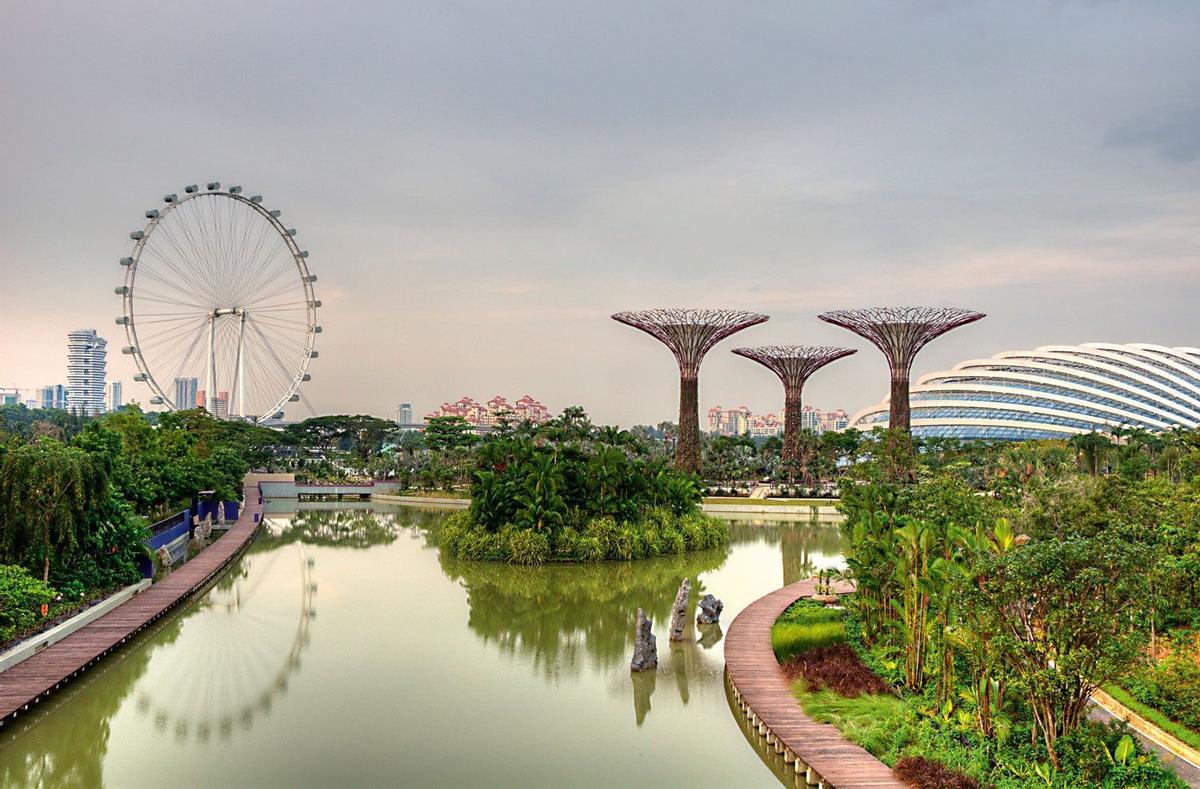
(800, 543)
(559, 616)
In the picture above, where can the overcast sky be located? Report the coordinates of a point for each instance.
(481, 185)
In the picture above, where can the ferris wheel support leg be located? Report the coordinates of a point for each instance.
(210, 381)
(241, 366)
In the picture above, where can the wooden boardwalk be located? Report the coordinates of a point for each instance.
(28, 682)
(764, 695)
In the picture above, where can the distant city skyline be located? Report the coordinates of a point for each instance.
(476, 203)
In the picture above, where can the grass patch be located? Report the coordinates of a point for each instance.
(869, 720)
(806, 625)
(790, 639)
(1159, 719)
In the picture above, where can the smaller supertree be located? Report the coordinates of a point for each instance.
(690, 334)
(900, 332)
(793, 364)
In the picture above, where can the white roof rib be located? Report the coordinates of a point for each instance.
(1107, 384)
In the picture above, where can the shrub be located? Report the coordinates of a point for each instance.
(21, 599)
(604, 532)
(461, 537)
(672, 541)
(587, 549)
(527, 547)
(928, 774)
(1172, 686)
(837, 668)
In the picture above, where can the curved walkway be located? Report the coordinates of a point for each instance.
(28, 682)
(764, 695)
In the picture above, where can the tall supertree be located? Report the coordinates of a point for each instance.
(793, 364)
(689, 334)
(900, 332)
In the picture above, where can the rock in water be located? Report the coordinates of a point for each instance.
(645, 648)
(710, 610)
(679, 612)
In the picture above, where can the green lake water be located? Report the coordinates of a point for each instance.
(343, 650)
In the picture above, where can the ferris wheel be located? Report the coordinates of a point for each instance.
(218, 295)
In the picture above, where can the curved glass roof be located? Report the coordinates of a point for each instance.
(1054, 391)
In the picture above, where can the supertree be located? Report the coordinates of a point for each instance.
(900, 332)
(689, 334)
(793, 364)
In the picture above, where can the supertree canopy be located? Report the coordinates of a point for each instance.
(793, 364)
(690, 334)
(900, 332)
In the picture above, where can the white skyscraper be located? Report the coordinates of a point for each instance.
(86, 354)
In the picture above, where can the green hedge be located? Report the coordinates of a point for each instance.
(658, 533)
(1158, 718)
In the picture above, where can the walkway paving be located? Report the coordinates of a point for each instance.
(28, 682)
(764, 695)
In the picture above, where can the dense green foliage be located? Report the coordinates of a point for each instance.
(569, 491)
(1171, 685)
(21, 599)
(76, 494)
(996, 595)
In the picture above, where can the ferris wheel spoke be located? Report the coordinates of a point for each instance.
(186, 359)
(186, 287)
(279, 263)
(196, 279)
(175, 257)
(266, 244)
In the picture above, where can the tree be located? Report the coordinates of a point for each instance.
(1065, 609)
(46, 493)
(448, 432)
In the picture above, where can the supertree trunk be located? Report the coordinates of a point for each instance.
(793, 416)
(899, 409)
(687, 451)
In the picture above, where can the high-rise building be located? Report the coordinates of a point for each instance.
(10, 397)
(221, 406)
(54, 396)
(186, 390)
(86, 355)
(115, 400)
(404, 414)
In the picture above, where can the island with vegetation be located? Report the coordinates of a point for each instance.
(568, 491)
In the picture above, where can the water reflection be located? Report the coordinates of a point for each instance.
(805, 546)
(571, 618)
(248, 686)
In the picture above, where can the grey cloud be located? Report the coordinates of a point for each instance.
(1172, 135)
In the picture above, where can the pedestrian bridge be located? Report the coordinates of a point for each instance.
(290, 489)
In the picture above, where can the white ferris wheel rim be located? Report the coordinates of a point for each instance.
(301, 346)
